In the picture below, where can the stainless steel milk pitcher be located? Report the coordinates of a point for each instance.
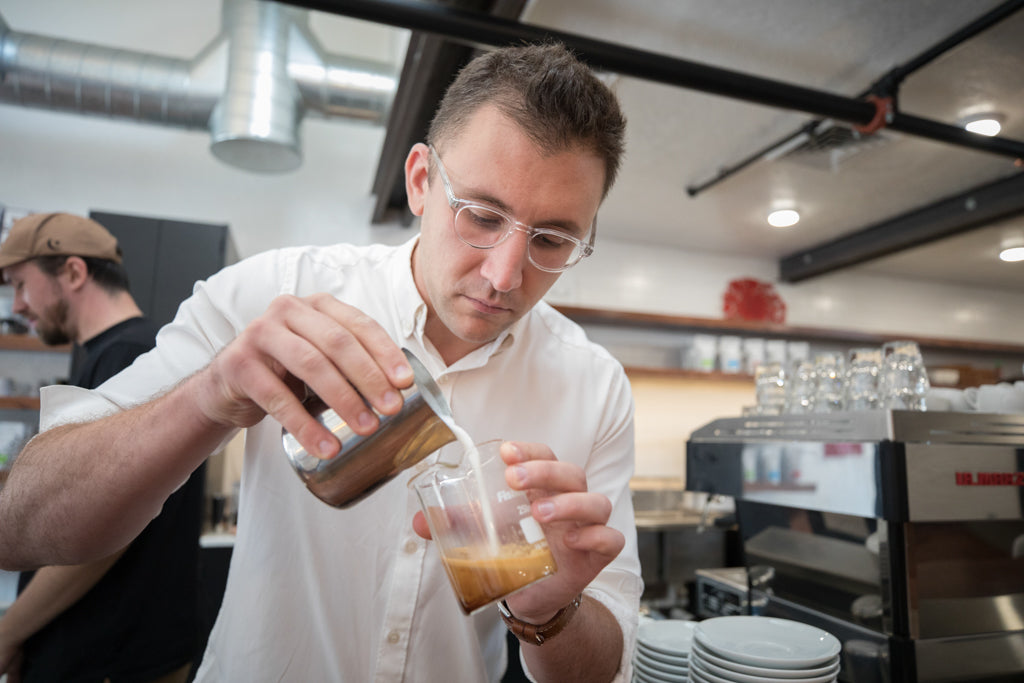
(365, 463)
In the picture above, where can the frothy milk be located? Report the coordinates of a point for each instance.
(466, 441)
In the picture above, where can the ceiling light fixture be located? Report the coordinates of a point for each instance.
(1012, 254)
(783, 218)
(987, 123)
(989, 127)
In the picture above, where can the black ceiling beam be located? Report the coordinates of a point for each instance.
(960, 213)
(477, 28)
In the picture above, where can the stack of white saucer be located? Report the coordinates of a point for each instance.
(662, 652)
(742, 649)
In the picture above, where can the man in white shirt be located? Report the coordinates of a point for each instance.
(521, 152)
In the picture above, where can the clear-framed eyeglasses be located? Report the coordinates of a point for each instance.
(483, 227)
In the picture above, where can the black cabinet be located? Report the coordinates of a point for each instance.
(164, 258)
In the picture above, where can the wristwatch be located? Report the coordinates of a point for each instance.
(536, 634)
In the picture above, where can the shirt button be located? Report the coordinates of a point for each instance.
(411, 547)
(394, 637)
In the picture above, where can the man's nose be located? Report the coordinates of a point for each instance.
(504, 264)
(19, 307)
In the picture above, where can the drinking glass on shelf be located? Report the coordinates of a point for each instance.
(863, 367)
(904, 381)
(829, 382)
(800, 388)
(770, 387)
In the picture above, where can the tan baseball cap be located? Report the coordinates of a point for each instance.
(57, 234)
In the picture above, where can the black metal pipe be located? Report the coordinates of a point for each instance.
(727, 171)
(484, 29)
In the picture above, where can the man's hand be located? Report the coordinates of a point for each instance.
(574, 521)
(341, 354)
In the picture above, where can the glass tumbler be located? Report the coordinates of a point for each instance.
(863, 367)
(904, 379)
(829, 382)
(770, 387)
(800, 388)
(489, 542)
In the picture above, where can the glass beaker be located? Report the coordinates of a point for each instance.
(489, 542)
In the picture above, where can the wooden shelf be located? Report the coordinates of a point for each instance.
(28, 342)
(641, 371)
(19, 403)
(599, 316)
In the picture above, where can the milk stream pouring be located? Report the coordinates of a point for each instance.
(473, 455)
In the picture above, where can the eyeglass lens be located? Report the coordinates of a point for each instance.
(478, 226)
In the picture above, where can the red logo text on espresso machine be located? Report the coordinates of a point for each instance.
(989, 478)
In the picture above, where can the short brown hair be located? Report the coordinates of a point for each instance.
(554, 98)
(109, 275)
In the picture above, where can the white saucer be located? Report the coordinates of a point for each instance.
(767, 642)
(724, 674)
(698, 677)
(671, 660)
(640, 677)
(709, 658)
(666, 677)
(668, 636)
(674, 666)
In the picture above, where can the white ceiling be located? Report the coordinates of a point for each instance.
(679, 137)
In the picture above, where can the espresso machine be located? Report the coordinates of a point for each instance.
(899, 532)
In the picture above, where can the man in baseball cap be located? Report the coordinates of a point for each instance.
(133, 615)
(67, 277)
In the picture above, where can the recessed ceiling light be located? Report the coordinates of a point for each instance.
(1012, 254)
(986, 126)
(783, 218)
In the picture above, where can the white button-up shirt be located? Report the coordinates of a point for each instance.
(316, 593)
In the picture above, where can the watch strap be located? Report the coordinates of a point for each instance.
(537, 634)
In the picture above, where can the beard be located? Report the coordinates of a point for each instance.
(51, 325)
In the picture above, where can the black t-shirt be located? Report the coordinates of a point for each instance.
(141, 620)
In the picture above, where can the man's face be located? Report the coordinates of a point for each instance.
(39, 298)
(475, 294)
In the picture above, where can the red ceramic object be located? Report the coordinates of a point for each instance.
(750, 299)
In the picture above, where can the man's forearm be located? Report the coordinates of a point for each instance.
(51, 591)
(589, 649)
(81, 492)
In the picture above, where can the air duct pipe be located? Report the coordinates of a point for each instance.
(250, 86)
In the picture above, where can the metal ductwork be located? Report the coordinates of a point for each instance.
(250, 86)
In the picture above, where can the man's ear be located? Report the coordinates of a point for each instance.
(417, 168)
(75, 272)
